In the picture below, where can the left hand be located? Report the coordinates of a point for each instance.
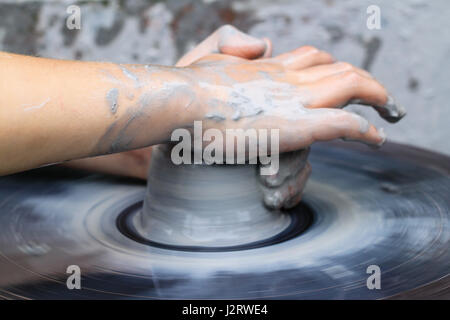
(300, 93)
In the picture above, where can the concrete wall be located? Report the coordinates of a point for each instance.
(409, 54)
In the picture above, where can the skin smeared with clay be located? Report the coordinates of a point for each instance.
(135, 163)
(129, 74)
(391, 111)
(215, 116)
(284, 189)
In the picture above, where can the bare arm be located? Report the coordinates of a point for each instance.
(54, 110)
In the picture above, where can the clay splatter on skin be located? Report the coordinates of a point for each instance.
(112, 97)
(118, 136)
(215, 116)
(37, 106)
(130, 75)
(108, 76)
(124, 133)
(373, 146)
(236, 115)
(150, 69)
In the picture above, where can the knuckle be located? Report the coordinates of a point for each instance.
(342, 120)
(326, 56)
(352, 77)
(345, 115)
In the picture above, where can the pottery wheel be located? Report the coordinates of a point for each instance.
(388, 207)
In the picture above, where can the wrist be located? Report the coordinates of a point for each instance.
(152, 102)
(186, 99)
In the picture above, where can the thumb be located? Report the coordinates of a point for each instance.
(239, 44)
(228, 40)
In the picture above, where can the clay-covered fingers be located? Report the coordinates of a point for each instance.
(303, 57)
(284, 189)
(228, 40)
(347, 87)
(269, 48)
(320, 72)
(330, 124)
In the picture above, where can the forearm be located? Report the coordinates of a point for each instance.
(53, 110)
(133, 163)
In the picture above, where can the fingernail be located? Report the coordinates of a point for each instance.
(267, 47)
(391, 111)
(378, 145)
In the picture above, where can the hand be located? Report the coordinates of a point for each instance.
(285, 188)
(226, 40)
(301, 91)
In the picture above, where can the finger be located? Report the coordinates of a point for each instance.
(350, 87)
(329, 124)
(269, 48)
(317, 73)
(289, 193)
(303, 57)
(227, 40)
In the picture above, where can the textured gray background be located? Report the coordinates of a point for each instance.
(410, 54)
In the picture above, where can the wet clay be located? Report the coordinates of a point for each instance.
(205, 205)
